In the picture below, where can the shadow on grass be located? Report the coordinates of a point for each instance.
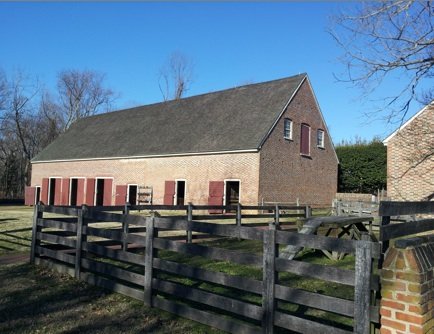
(7, 219)
(34, 299)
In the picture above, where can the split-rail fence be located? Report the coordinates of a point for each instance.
(135, 258)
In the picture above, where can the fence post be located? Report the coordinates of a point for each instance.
(268, 279)
(360, 209)
(81, 236)
(125, 212)
(277, 215)
(307, 212)
(385, 220)
(362, 290)
(37, 214)
(149, 255)
(239, 215)
(337, 205)
(189, 219)
(238, 220)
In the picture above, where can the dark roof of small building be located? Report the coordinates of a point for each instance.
(230, 120)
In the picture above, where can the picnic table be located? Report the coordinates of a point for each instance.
(343, 227)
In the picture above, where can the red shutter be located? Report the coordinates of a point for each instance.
(216, 188)
(58, 192)
(108, 185)
(169, 192)
(216, 193)
(44, 191)
(29, 195)
(80, 192)
(121, 195)
(90, 192)
(65, 192)
(305, 139)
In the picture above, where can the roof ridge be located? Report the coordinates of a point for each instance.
(303, 74)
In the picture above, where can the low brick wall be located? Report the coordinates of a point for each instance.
(407, 287)
(353, 197)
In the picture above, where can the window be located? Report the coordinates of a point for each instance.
(132, 194)
(103, 191)
(320, 138)
(37, 194)
(287, 129)
(180, 192)
(305, 139)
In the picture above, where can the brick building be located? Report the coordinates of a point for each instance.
(260, 142)
(410, 159)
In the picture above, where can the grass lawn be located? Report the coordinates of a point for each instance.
(36, 300)
(15, 229)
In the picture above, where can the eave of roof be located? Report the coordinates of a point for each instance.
(151, 156)
(394, 133)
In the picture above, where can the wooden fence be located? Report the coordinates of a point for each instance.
(252, 292)
(393, 226)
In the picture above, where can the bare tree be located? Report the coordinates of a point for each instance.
(18, 132)
(389, 40)
(176, 76)
(31, 118)
(3, 92)
(82, 94)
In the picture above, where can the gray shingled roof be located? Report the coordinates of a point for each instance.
(228, 120)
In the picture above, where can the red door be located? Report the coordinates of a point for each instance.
(108, 185)
(216, 193)
(29, 195)
(169, 192)
(90, 192)
(58, 192)
(44, 191)
(65, 192)
(80, 192)
(121, 194)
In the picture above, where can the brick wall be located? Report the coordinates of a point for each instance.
(407, 287)
(354, 197)
(196, 170)
(410, 173)
(285, 175)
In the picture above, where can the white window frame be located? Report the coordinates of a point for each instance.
(70, 187)
(285, 129)
(36, 194)
(224, 192)
(320, 143)
(96, 187)
(175, 199)
(49, 187)
(128, 192)
(309, 139)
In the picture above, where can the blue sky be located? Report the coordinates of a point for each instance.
(230, 44)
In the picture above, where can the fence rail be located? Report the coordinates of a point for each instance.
(392, 226)
(131, 256)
